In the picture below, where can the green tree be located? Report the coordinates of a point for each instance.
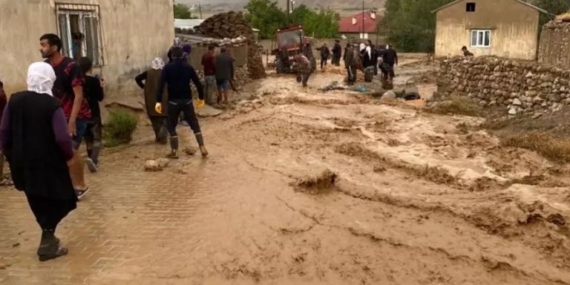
(266, 16)
(410, 24)
(553, 7)
(323, 24)
(300, 13)
(182, 11)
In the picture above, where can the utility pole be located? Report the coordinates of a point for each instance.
(288, 10)
(200, 9)
(362, 34)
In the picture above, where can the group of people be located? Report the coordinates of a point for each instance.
(167, 91)
(42, 128)
(365, 56)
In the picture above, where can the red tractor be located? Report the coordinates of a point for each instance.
(291, 41)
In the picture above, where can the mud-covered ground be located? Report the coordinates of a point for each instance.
(404, 197)
(306, 187)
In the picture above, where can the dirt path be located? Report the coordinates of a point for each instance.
(415, 200)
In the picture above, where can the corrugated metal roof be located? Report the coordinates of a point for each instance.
(187, 23)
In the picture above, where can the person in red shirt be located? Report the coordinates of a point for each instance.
(68, 89)
(209, 64)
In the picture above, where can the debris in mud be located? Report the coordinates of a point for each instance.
(379, 169)
(321, 184)
(485, 184)
(152, 166)
(156, 165)
(190, 150)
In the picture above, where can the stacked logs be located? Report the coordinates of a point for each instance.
(233, 25)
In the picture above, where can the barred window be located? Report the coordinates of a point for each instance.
(80, 31)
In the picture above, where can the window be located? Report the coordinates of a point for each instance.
(470, 7)
(80, 31)
(480, 38)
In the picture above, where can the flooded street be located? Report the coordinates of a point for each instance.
(405, 197)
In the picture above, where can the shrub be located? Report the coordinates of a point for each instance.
(120, 128)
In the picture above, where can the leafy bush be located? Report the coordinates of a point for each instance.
(120, 128)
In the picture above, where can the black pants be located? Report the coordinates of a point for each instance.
(94, 138)
(303, 77)
(388, 71)
(351, 71)
(324, 61)
(159, 128)
(335, 60)
(50, 212)
(185, 107)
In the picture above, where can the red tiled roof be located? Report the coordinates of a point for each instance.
(345, 25)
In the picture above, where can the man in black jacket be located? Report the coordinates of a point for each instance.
(389, 59)
(177, 76)
(325, 53)
(336, 53)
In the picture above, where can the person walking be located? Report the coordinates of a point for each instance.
(148, 81)
(336, 53)
(325, 54)
(304, 69)
(350, 64)
(34, 136)
(93, 90)
(176, 77)
(209, 65)
(224, 73)
(4, 181)
(68, 89)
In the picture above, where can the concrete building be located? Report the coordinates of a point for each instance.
(122, 37)
(505, 28)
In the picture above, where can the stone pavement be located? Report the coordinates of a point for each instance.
(126, 225)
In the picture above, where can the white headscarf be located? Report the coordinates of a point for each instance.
(177, 42)
(41, 78)
(157, 64)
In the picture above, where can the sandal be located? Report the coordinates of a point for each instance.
(61, 251)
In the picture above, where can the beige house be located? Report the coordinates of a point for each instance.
(121, 36)
(505, 28)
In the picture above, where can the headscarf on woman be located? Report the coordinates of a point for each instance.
(157, 64)
(41, 78)
(35, 139)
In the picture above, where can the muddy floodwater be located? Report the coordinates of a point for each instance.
(306, 187)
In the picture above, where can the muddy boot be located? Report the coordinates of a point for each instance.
(200, 141)
(174, 148)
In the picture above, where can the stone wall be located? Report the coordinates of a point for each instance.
(554, 47)
(519, 86)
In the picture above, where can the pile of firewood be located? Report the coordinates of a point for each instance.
(233, 25)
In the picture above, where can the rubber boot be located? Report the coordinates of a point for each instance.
(200, 141)
(173, 148)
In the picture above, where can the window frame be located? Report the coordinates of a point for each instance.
(84, 12)
(480, 37)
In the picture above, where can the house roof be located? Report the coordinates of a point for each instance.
(520, 1)
(353, 24)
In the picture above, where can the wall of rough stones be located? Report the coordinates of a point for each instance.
(519, 86)
(554, 47)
